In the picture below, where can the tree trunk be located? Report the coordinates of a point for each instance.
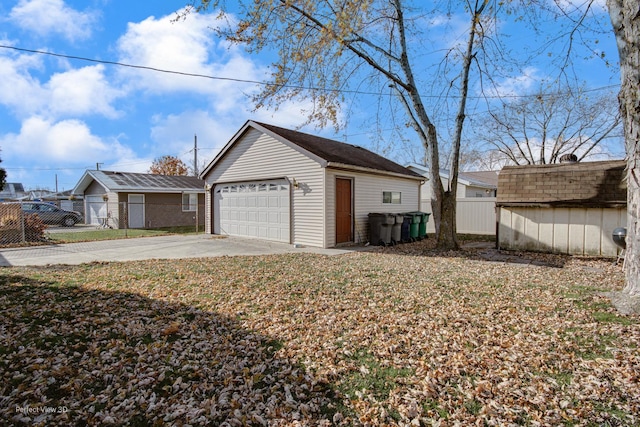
(447, 238)
(625, 17)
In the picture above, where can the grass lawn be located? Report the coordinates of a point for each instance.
(110, 234)
(395, 336)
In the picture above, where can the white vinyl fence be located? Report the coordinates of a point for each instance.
(475, 215)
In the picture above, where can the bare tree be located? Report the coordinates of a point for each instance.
(541, 128)
(625, 18)
(325, 44)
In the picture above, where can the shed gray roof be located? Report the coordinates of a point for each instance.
(139, 182)
(588, 184)
(335, 153)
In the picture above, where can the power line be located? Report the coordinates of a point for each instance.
(261, 83)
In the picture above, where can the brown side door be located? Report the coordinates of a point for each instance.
(344, 211)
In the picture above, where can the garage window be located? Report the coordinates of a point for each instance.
(392, 197)
(189, 202)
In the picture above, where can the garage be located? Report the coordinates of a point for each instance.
(253, 209)
(282, 185)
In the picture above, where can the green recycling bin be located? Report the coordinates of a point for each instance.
(422, 231)
(414, 227)
(420, 220)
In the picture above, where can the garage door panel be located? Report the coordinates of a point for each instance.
(253, 209)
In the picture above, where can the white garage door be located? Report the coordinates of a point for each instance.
(95, 208)
(253, 209)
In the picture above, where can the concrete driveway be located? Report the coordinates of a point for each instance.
(162, 247)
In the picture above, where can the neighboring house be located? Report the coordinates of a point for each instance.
(12, 191)
(278, 184)
(470, 184)
(569, 208)
(139, 200)
(475, 211)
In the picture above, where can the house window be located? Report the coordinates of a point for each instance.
(392, 197)
(189, 202)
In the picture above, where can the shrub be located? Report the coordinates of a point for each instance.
(33, 228)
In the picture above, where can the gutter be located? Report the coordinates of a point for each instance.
(346, 167)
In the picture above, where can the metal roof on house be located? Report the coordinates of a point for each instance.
(334, 153)
(588, 184)
(139, 182)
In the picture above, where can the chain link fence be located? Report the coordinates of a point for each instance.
(29, 222)
(22, 222)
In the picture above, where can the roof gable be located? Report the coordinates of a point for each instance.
(588, 184)
(329, 152)
(339, 152)
(139, 182)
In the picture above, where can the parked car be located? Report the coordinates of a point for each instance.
(51, 214)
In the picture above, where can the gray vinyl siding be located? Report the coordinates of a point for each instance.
(367, 193)
(257, 156)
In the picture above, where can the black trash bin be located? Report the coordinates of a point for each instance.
(405, 231)
(375, 228)
(380, 225)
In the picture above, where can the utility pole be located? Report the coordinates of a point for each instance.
(195, 155)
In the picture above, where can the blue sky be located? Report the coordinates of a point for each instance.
(61, 116)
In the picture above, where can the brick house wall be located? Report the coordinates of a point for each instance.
(165, 210)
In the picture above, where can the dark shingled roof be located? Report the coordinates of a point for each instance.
(339, 152)
(588, 184)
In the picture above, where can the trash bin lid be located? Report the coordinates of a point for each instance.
(620, 231)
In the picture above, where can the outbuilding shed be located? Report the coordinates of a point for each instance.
(141, 200)
(569, 208)
(283, 185)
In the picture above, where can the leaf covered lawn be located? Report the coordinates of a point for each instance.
(400, 336)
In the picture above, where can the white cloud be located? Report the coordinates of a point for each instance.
(47, 17)
(82, 91)
(20, 91)
(517, 85)
(188, 47)
(68, 142)
(580, 5)
(75, 92)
